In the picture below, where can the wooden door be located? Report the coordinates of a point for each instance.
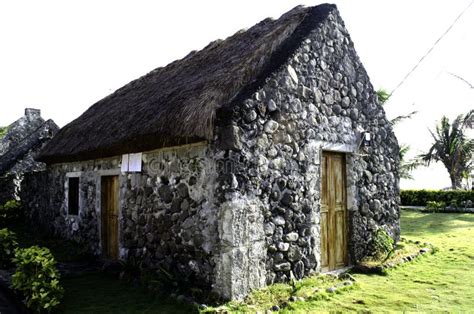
(110, 210)
(333, 212)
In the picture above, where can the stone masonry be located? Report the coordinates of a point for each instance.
(321, 99)
(22, 141)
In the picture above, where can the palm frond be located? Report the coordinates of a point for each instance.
(462, 79)
(382, 96)
(400, 118)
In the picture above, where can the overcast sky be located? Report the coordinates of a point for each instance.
(63, 56)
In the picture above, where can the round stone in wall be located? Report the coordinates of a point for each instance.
(328, 99)
(283, 246)
(271, 106)
(250, 116)
(336, 109)
(279, 221)
(346, 101)
(270, 126)
(354, 114)
(298, 270)
(291, 237)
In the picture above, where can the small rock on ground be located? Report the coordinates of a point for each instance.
(347, 276)
(331, 289)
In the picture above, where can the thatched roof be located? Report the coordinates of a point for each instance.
(177, 103)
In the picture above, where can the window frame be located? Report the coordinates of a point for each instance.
(69, 176)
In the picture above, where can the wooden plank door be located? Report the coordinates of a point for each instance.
(110, 210)
(333, 212)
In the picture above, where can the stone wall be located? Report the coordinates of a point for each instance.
(244, 210)
(8, 188)
(321, 99)
(168, 216)
(24, 139)
(20, 129)
(36, 191)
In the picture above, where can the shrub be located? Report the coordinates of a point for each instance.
(10, 211)
(422, 197)
(382, 244)
(3, 131)
(8, 245)
(434, 206)
(455, 203)
(37, 278)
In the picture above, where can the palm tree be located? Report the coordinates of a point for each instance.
(383, 96)
(452, 148)
(406, 166)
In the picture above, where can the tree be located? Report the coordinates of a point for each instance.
(3, 131)
(452, 147)
(406, 166)
(383, 96)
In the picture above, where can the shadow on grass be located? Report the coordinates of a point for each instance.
(96, 292)
(102, 293)
(415, 222)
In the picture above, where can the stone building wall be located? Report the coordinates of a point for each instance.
(168, 215)
(35, 194)
(244, 210)
(321, 99)
(24, 139)
(8, 188)
(20, 129)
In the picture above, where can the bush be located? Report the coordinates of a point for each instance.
(8, 245)
(37, 278)
(3, 131)
(10, 211)
(382, 244)
(422, 197)
(434, 206)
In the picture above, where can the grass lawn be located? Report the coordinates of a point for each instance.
(443, 281)
(97, 292)
(101, 293)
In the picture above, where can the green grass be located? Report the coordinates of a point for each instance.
(101, 293)
(443, 281)
(97, 292)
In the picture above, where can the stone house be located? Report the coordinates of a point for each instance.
(263, 156)
(23, 139)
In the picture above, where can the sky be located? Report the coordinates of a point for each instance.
(63, 56)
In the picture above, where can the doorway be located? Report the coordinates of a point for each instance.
(109, 214)
(333, 211)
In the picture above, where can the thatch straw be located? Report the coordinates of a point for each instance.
(178, 103)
